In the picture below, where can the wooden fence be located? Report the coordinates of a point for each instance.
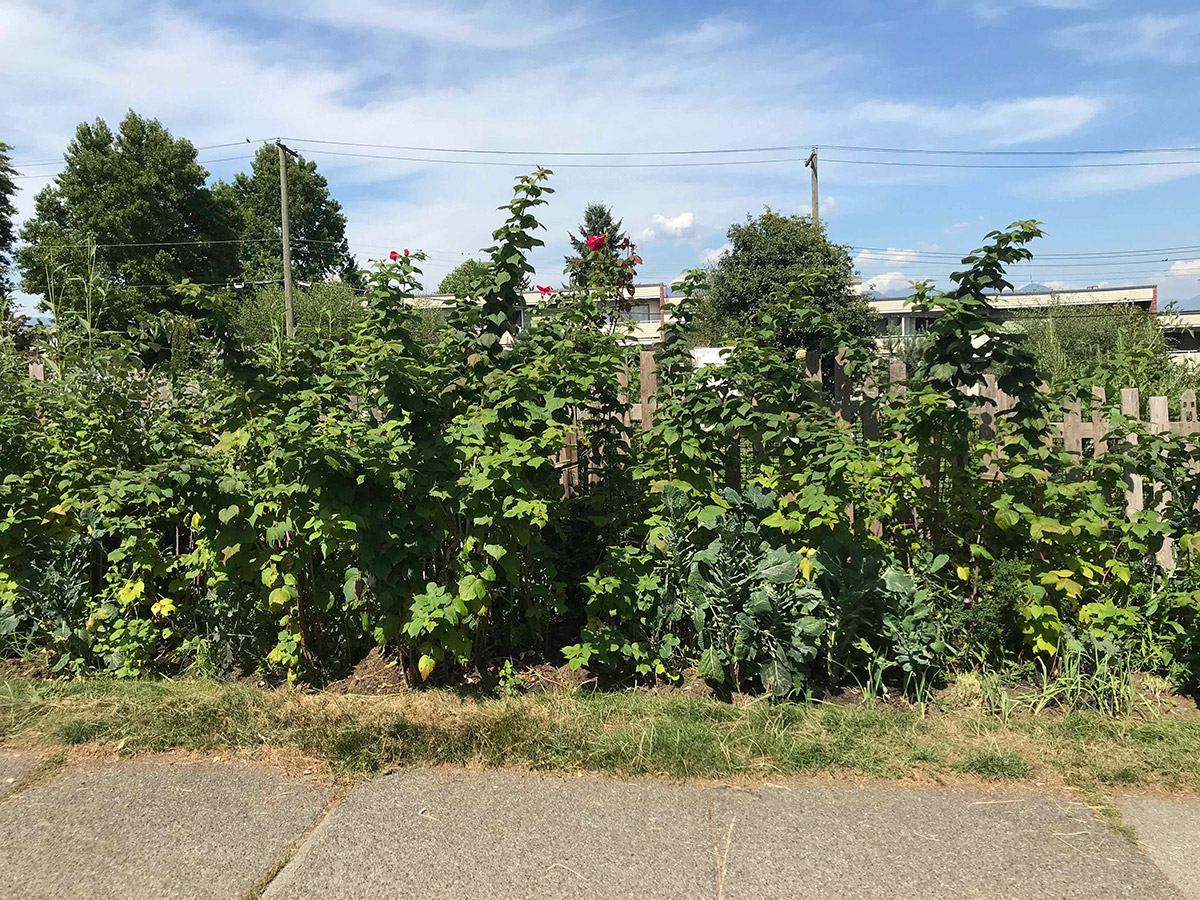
(1081, 430)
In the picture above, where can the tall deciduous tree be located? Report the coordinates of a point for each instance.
(767, 254)
(318, 227)
(8, 234)
(597, 220)
(460, 280)
(139, 186)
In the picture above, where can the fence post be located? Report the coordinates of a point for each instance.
(1131, 407)
(1099, 423)
(1160, 422)
(987, 411)
(812, 366)
(1073, 429)
(623, 397)
(649, 376)
(1187, 413)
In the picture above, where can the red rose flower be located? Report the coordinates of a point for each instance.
(544, 290)
(596, 242)
(406, 253)
(393, 255)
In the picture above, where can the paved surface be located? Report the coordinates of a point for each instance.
(134, 830)
(14, 765)
(1170, 832)
(152, 829)
(443, 833)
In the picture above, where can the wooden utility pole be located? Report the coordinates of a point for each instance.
(811, 163)
(288, 319)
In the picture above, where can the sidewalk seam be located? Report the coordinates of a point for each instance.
(292, 849)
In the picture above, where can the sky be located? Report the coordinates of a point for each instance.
(543, 78)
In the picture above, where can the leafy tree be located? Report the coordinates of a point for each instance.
(462, 280)
(8, 235)
(768, 254)
(597, 220)
(139, 186)
(318, 226)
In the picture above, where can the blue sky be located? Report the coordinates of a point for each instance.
(543, 76)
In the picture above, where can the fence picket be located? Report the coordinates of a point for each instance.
(649, 378)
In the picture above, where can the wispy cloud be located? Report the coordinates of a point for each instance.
(1159, 38)
(994, 10)
(1089, 179)
(996, 122)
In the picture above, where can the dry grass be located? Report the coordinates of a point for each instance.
(630, 734)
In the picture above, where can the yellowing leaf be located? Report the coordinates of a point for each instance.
(425, 665)
(163, 607)
(963, 572)
(279, 598)
(130, 592)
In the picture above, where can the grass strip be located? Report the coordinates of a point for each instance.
(629, 734)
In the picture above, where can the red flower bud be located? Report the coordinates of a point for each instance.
(394, 255)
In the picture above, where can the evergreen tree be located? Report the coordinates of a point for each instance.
(318, 227)
(138, 186)
(8, 234)
(597, 220)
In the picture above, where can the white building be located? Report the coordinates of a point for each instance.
(896, 318)
(646, 311)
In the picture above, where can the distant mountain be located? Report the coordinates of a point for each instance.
(1033, 288)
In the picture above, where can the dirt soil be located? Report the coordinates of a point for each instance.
(546, 679)
(376, 673)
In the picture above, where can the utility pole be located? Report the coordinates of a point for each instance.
(811, 163)
(288, 320)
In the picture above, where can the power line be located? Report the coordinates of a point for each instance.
(217, 160)
(1098, 253)
(157, 243)
(57, 159)
(775, 149)
(918, 165)
(527, 165)
(1121, 152)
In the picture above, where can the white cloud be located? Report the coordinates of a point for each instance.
(1155, 37)
(1185, 268)
(712, 254)
(994, 10)
(1088, 179)
(997, 122)
(885, 282)
(680, 227)
(490, 26)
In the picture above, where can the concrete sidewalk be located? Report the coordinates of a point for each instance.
(145, 828)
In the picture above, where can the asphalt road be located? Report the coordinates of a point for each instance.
(145, 828)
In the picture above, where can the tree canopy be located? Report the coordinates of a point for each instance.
(137, 186)
(769, 253)
(8, 235)
(318, 226)
(597, 220)
(459, 280)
